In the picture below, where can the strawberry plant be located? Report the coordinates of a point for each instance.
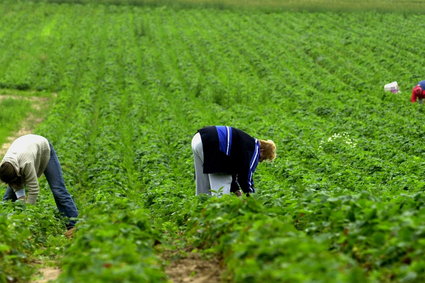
(343, 202)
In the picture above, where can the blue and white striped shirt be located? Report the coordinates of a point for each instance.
(253, 165)
(224, 139)
(225, 146)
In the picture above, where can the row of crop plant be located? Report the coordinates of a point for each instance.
(137, 82)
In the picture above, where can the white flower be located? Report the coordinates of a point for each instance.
(343, 137)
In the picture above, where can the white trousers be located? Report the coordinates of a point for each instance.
(213, 184)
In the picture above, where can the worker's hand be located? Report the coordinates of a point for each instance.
(20, 203)
(238, 193)
(22, 199)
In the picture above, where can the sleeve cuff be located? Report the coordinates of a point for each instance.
(20, 193)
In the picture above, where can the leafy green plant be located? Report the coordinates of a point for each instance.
(343, 200)
(13, 111)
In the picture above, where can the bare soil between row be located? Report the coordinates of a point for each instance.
(193, 268)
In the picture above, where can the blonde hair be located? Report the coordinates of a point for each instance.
(267, 150)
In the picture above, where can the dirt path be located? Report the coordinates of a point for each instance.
(194, 269)
(47, 274)
(35, 117)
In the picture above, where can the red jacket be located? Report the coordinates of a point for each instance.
(417, 93)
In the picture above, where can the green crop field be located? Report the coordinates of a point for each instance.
(343, 202)
(12, 111)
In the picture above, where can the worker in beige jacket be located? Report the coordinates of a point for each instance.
(25, 161)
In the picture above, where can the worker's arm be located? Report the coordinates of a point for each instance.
(31, 181)
(413, 98)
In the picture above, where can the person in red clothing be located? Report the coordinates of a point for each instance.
(418, 92)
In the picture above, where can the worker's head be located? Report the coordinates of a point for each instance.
(8, 173)
(417, 90)
(267, 150)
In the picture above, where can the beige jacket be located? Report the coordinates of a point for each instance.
(29, 155)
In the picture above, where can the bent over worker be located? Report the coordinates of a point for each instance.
(418, 92)
(25, 161)
(225, 159)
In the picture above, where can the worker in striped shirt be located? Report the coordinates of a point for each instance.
(25, 161)
(225, 159)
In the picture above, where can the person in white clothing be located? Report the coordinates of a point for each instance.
(25, 161)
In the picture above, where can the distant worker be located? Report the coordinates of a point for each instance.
(418, 92)
(25, 161)
(226, 158)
